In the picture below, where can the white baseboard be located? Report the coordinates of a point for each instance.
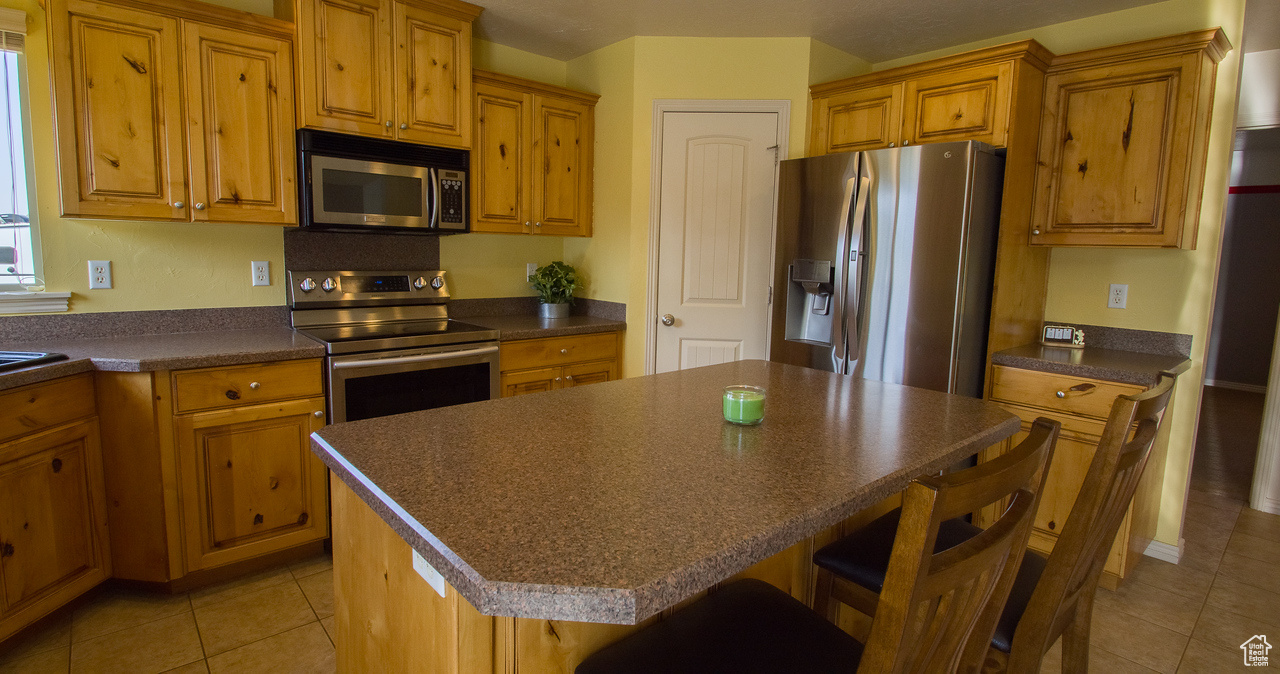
(1251, 388)
(1267, 505)
(1164, 551)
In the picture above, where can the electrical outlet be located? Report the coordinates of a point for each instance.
(261, 273)
(1119, 296)
(99, 274)
(530, 268)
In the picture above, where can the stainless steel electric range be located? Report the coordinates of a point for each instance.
(391, 346)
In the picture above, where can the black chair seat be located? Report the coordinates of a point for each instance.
(748, 627)
(863, 557)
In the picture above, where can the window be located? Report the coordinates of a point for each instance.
(19, 265)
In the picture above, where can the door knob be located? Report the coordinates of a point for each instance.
(668, 319)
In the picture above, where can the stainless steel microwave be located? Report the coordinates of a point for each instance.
(368, 184)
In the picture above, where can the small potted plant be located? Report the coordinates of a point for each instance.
(555, 284)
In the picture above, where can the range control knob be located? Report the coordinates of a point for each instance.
(329, 285)
(307, 285)
(437, 282)
(420, 283)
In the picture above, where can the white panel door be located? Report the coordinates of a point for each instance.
(715, 237)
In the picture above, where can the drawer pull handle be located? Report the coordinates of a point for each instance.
(1078, 388)
(233, 394)
(255, 385)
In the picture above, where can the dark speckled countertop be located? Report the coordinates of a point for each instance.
(143, 353)
(532, 327)
(1129, 367)
(642, 496)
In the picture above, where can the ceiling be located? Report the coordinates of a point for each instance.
(874, 30)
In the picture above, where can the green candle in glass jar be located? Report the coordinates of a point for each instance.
(744, 404)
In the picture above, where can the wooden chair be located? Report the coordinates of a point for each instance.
(1051, 597)
(930, 606)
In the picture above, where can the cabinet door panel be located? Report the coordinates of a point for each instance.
(590, 373)
(51, 527)
(253, 484)
(562, 139)
(969, 104)
(120, 139)
(241, 109)
(344, 82)
(433, 77)
(500, 186)
(866, 119)
(521, 382)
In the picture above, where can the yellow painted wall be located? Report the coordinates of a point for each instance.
(511, 61)
(1169, 290)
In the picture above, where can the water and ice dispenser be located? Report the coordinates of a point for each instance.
(810, 301)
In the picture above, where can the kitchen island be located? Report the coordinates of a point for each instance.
(559, 522)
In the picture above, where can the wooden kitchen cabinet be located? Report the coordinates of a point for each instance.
(212, 467)
(532, 164)
(972, 96)
(53, 526)
(386, 68)
(537, 365)
(1082, 410)
(185, 115)
(1123, 143)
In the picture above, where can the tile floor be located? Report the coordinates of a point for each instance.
(275, 621)
(1188, 617)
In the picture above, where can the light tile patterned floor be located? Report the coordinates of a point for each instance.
(275, 621)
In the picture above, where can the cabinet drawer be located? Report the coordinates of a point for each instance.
(246, 384)
(40, 406)
(530, 353)
(1074, 395)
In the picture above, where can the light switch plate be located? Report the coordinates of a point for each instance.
(99, 274)
(261, 273)
(428, 573)
(530, 268)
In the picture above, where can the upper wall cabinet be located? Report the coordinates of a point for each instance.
(1123, 143)
(965, 97)
(184, 116)
(533, 157)
(387, 68)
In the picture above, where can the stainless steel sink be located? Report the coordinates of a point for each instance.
(12, 360)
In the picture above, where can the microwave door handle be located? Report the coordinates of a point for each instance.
(433, 179)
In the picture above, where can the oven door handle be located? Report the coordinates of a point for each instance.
(421, 358)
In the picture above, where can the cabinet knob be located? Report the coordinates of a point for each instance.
(893, 145)
(569, 377)
(557, 379)
(199, 205)
(319, 414)
(537, 224)
(1061, 394)
(57, 465)
(906, 143)
(1052, 525)
(388, 124)
(255, 385)
(1036, 232)
(564, 351)
(179, 204)
(6, 551)
(403, 125)
(233, 394)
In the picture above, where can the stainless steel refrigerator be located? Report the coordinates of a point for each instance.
(885, 261)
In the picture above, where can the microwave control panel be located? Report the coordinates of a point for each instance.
(453, 199)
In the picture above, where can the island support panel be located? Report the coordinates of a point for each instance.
(388, 618)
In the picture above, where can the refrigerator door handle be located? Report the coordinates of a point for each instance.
(838, 360)
(853, 348)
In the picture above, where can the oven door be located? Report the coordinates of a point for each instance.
(367, 385)
(358, 193)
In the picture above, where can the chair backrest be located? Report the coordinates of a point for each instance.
(1079, 555)
(934, 604)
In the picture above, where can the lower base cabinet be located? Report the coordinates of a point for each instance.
(53, 528)
(537, 365)
(1081, 406)
(211, 467)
